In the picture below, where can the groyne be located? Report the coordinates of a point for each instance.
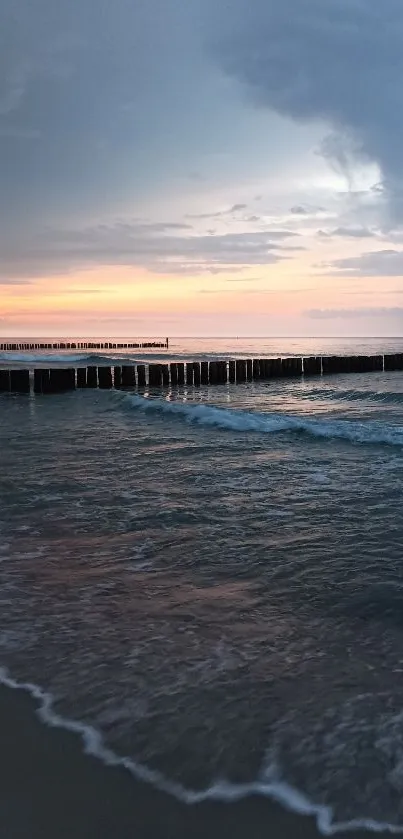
(190, 373)
(88, 345)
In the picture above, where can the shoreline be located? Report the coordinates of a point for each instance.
(52, 789)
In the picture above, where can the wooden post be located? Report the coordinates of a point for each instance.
(41, 381)
(263, 368)
(165, 374)
(231, 372)
(154, 375)
(213, 373)
(181, 373)
(128, 376)
(61, 379)
(222, 372)
(117, 377)
(204, 374)
(291, 367)
(141, 375)
(92, 377)
(104, 378)
(196, 373)
(312, 366)
(19, 381)
(377, 362)
(249, 369)
(81, 377)
(240, 370)
(189, 374)
(256, 368)
(394, 362)
(4, 381)
(174, 374)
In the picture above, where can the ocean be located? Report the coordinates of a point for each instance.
(208, 583)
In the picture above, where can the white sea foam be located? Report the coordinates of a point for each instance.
(271, 423)
(43, 358)
(268, 784)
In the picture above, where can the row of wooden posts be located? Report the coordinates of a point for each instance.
(192, 373)
(107, 345)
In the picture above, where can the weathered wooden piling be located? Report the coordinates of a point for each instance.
(128, 376)
(196, 373)
(249, 369)
(154, 375)
(181, 373)
(165, 374)
(42, 381)
(204, 373)
(240, 370)
(256, 368)
(264, 368)
(81, 377)
(231, 371)
(61, 380)
(141, 375)
(117, 377)
(312, 365)
(174, 374)
(189, 374)
(331, 365)
(92, 377)
(213, 373)
(394, 362)
(291, 367)
(4, 381)
(104, 378)
(19, 381)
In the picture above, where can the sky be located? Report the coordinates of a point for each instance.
(201, 167)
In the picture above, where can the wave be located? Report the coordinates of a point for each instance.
(67, 358)
(232, 419)
(355, 395)
(267, 785)
(45, 358)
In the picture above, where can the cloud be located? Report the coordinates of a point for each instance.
(160, 247)
(348, 233)
(219, 214)
(384, 263)
(306, 210)
(338, 62)
(352, 314)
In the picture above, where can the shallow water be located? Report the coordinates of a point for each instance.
(213, 579)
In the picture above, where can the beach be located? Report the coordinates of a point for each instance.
(51, 790)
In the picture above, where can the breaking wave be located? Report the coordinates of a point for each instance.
(371, 433)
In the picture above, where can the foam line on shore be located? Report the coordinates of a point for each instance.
(225, 791)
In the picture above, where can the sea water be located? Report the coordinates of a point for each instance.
(208, 584)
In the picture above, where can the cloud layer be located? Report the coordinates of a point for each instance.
(339, 62)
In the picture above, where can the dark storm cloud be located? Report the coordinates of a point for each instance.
(159, 247)
(336, 61)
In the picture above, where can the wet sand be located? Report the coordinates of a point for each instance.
(51, 790)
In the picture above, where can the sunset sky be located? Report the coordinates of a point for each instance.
(201, 167)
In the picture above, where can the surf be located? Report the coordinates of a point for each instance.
(241, 421)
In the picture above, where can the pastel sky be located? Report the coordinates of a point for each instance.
(201, 167)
